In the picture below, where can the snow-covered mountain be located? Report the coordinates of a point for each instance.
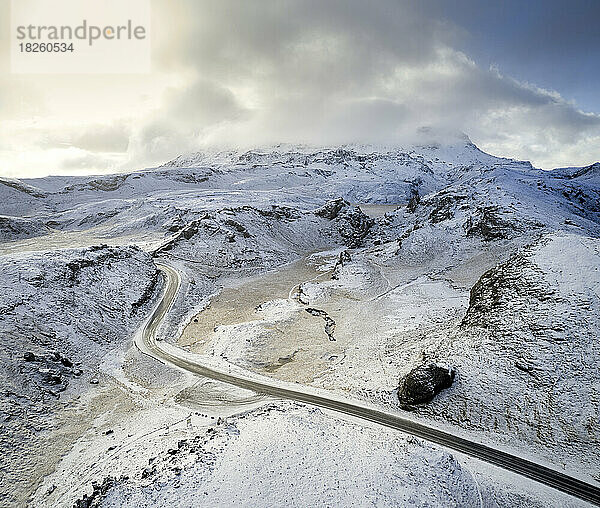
(298, 177)
(428, 254)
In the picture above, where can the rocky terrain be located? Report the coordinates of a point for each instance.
(436, 279)
(527, 350)
(314, 460)
(61, 312)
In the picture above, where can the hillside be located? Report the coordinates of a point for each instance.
(357, 269)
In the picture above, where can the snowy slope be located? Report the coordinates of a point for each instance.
(60, 313)
(287, 455)
(471, 265)
(527, 351)
(118, 204)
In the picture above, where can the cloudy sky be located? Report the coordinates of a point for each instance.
(520, 78)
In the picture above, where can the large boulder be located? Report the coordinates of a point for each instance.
(423, 383)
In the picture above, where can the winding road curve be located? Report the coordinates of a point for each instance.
(165, 352)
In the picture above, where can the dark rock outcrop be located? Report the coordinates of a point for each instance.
(492, 223)
(52, 369)
(239, 228)
(489, 224)
(343, 259)
(515, 297)
(331, 209)
(329, 322)
(99, 491)
(352, 223)
(423, 383)
(443, 206)
(506, 287)
(413, 200)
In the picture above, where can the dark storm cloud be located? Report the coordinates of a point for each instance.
(345, 71)
(255, 72)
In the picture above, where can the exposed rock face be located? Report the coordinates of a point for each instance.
(331, 209)
(488, 224)
(444, 206)
(414, 199)
(529, 344)
(510, 288)
(492, 223)
(352, 224)
(99, 491)
(423, 383)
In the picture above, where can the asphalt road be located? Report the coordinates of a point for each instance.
(147, 342)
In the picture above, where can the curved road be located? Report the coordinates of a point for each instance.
(147, 343)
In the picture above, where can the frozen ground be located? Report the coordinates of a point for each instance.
(525, 354)
(288, 455)
(61, 312)
(281, 454)
(343, 268)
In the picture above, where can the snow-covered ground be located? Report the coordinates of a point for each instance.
(480, 263)
(278, 454)
(526, 360)
(61, 312)
(64, 310)
(289, 455)
(527, 353)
